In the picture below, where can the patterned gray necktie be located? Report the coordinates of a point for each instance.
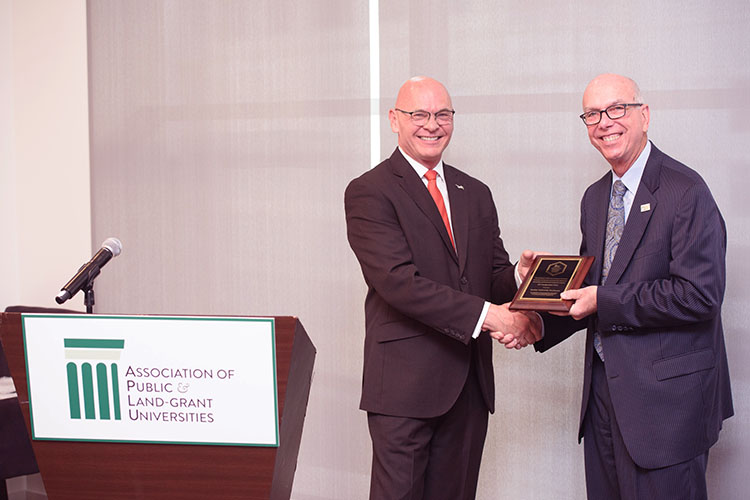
(615, 225)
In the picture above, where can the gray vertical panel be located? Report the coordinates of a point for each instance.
(224, 133)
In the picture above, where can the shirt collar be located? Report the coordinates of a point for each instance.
(421, 169)
(632, 177)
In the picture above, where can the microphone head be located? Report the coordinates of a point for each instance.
(113, 245)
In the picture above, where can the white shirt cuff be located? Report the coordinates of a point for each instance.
(517, 276)
(478, 328)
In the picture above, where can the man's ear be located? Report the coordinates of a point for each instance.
(394, 120)
(646, 111)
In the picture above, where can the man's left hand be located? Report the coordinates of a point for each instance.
(585, 301)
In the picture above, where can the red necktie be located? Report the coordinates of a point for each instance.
(431, 177)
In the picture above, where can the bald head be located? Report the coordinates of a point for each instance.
(418, 86)
(610, 80)
(424, 142)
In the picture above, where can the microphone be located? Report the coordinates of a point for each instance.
(90, 270)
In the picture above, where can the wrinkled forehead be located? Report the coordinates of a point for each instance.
(603, 92)
(427, 95)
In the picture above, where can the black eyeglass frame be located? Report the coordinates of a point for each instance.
(429, 115)
(624, 105)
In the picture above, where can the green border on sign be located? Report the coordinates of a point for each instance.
(113, 344)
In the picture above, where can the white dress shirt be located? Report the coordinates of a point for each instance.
(632, 178)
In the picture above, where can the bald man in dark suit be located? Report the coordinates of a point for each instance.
(426, 236)
(656, 383)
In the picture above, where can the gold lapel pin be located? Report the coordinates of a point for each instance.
(645, 207)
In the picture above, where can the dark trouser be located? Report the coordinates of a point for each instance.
(610, 472)
(430, 458)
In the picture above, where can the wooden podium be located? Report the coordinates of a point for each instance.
(97, 470)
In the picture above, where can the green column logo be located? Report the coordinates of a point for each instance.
(88, 372)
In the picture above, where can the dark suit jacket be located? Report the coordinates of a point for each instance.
(423, 301)
(659, 314)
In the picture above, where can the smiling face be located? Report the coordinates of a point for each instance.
(424, 143)
(620, 141)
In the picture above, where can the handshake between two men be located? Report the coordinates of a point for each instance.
(514, 329)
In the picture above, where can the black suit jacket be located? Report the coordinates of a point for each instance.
(424, 299)
(659, 314)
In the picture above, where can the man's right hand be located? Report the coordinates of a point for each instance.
(514, 329)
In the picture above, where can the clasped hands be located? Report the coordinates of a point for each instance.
(513, 329)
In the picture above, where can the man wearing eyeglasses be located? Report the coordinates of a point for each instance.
(426, 236)
(656, 383)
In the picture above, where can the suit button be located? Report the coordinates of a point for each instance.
(464, 280)
(614, 328)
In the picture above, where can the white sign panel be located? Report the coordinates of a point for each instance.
(156, 379)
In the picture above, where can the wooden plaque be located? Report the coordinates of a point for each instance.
(549, 276)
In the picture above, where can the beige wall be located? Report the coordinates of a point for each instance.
(45, 201)
(44, 149)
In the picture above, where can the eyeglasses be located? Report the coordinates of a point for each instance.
(613, 112)
(420, 118)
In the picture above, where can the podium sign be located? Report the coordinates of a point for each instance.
(152, 379)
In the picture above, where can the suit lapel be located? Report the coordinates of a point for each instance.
(644, 205)
(459, 212)
(416, 190)
(597, 205)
